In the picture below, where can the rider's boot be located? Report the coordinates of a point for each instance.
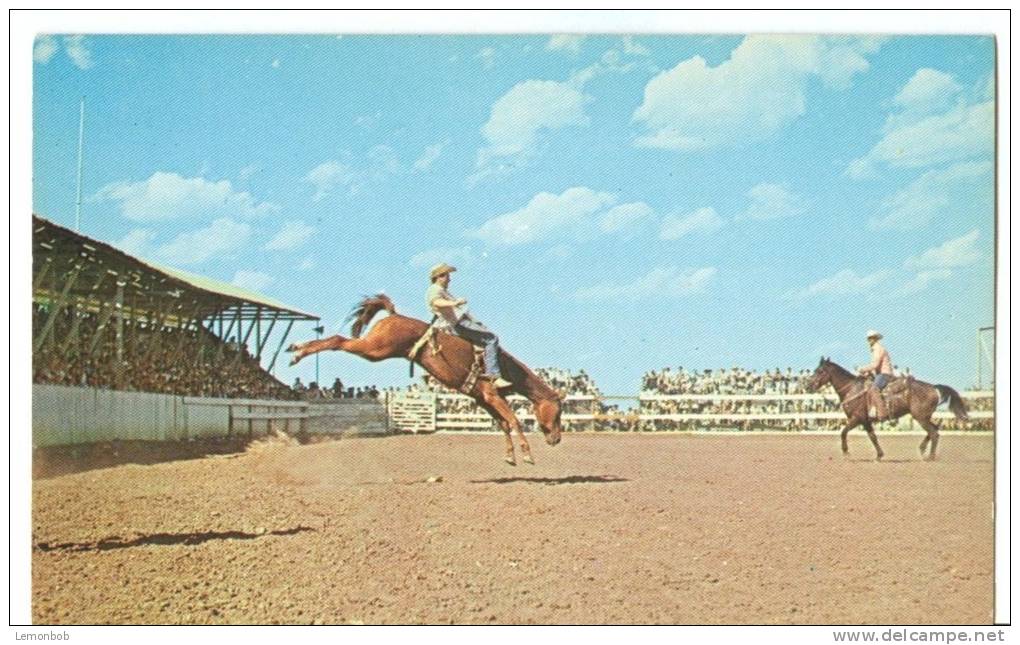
(878, 410)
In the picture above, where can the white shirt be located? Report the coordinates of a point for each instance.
(448, 316)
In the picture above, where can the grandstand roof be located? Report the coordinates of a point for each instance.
(59, 253)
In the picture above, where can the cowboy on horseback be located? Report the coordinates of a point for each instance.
(881, 368)
(453, 317)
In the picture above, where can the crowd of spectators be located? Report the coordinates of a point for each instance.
(734, 380)
(153, 358)
(316, 393)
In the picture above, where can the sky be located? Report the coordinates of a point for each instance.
(613, 204)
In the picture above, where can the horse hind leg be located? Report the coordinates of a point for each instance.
(301, 350)
(933, 434)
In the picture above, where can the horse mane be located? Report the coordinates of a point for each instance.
(842, 370)
(365, 310)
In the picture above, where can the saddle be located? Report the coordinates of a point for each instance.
(431, 339)
(895, 395)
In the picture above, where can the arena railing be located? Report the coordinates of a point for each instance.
(478, 420)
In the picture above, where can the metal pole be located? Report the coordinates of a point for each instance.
(978, 347)
(81, 143)
(318, 335)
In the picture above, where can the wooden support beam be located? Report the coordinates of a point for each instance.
(42, 275)
(283, 339)
(55, 311)
(262, 341)
(105, 312)
(73, 334)
(223, 339)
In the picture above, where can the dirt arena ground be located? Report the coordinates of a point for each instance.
(685, 529)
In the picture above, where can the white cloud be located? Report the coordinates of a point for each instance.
(565, 42)
(961, 189)
(167, 195)
(528, 108)
(840, 57)
(933, 123)
(488, 57)
(703, 220)
(758, 90)
(624, 216)
(927, 90)
(965, 131)
(252, 280)
(380, 162)
(429, 155)
(631, 46)
(330, 174)
(921, 281)
(222, 237)
(291, 236)
(431, 257)
(45, 48)
(136, 242)
(773, 201)
(546, 214)
(78, 50)
(953, 253)
(668, 281)
(383, 160)
(844, 283)
(246, 173)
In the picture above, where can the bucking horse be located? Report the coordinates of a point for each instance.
(903, 395)
(453, 361)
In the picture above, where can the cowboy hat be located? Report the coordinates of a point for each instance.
(873, 334)
(441, 269)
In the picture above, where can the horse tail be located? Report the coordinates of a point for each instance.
(956, 404)
(365, 310)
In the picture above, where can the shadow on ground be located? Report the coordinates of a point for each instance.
(554, 481)
(163, 539)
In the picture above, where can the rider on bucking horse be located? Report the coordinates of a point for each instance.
(453, 317)
(881, 368)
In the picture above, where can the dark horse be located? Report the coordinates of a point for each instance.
(903, 396)
(450, 360)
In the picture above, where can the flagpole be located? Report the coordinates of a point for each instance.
(81, 142)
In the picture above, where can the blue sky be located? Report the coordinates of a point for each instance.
(613, 204)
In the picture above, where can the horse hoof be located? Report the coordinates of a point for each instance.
(510, 460)
(529, 460)
(291, 348)
(879, 457)
(294, 361)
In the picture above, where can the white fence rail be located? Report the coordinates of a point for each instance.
(478, 420)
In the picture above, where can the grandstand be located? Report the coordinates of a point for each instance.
(102, 318)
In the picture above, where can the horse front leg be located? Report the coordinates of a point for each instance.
(850, 425)
(874, 440)
(502, 408)
(510, 457)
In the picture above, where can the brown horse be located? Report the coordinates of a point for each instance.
(396, 335)
(903, 396)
